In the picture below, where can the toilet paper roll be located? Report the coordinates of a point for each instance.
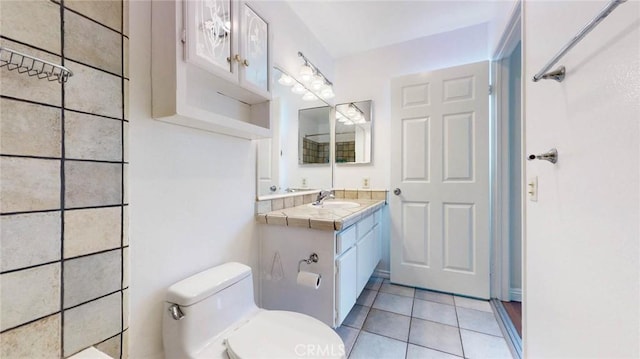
(308, 279)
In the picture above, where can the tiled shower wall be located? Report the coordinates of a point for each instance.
(63, 196)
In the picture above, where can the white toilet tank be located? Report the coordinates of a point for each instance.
(209, 302)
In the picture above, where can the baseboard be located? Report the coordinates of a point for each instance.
(515, 294)
(382, 273)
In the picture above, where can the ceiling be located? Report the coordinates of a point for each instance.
(348, 27)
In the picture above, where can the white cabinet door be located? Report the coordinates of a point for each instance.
(345, 284)
(254, 42)
(366, 258)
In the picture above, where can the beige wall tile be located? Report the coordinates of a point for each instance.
(322, 224)
(349, 194)
(34, 22)
(125, 197)
(298, 201)
(288, 202)
(261, 218)
(29, 184)
(364, 194)
(87, 278)
(279, 220)
(125, 225)
(111, 347)
(39, 339)
(126, 267)
(92, 137)
(379, 195)
(298, 222)
(29, 294)
(277, 204)
(263, 206)
(308, 198)
(125, 308)
(93, 91)
(125, 345)
(91, 323)
(125, 17)
(90, 184)
(91, 230)
(29, 130)
(29, 239)
(125, 54)
(126, 141)
(339, 193)
(126, 99)
(25, 87)
(93, 44)
(105, 12)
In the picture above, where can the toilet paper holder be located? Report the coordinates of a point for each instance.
(313, 258)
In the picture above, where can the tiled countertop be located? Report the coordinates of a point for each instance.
(321, 218)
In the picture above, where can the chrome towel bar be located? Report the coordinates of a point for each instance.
(559, 73)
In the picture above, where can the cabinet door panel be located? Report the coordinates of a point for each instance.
(366, 254)
(209, 37)
(255, 41)
(345, 284)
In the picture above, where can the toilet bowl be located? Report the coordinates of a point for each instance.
(212, 314)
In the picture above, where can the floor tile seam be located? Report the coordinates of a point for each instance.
(459, 330)
(431, 321)
(438, 350)
(386, 336)
(400, 295)
(433, 301)
(388, 311)
(476, 331)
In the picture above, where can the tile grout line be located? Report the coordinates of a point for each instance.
(62, 182)
(122, 184)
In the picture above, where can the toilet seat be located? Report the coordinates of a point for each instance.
(283, 334)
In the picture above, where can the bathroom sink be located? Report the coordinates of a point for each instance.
(335, 205)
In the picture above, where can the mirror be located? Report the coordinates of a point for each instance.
(353, 132)
(314, 135)
(279, 169)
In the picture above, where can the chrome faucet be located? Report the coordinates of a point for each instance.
(322, 195)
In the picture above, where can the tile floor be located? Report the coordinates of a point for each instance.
(397, 322)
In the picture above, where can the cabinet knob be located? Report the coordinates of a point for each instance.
(237, 58)
(228, 59)
(245, 62)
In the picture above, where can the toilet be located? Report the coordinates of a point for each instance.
(212, 314)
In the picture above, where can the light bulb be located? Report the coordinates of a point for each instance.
(351, 112)
(327, 92)
(306, 73)
(298, 89)
(309, 96)
(286, 80)
(348, 122)
(317, 82)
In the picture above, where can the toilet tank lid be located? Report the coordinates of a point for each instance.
(199, 286)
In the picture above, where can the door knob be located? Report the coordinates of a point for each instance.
(551, 156)
(397, 191)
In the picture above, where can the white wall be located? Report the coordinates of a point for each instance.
(582, 247)
(192, 200)
(192, 193)
(367, 76)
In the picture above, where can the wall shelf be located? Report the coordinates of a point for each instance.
(33, 66)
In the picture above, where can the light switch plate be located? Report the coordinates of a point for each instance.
(532, 189)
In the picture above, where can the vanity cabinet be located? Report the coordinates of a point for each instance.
(346, 261)
(210, 66)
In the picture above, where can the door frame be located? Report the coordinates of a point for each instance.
(499, 159)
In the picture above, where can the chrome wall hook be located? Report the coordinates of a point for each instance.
(551, 156)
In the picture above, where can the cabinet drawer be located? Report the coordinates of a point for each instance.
(365, 225)
(345, 239)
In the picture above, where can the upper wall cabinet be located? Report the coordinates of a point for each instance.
(211, 66)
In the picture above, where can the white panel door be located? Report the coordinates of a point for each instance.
(440, 165)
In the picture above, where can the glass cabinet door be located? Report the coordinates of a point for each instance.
(255, 39)
(211, 21)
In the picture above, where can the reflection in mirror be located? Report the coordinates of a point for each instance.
(314, 137)
(277, 157)
(353, 132)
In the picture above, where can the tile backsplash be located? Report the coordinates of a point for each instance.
(63, 200)
(275, 203)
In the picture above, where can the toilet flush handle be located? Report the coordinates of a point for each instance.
(175, 311)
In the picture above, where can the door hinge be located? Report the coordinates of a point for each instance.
(490, 89)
